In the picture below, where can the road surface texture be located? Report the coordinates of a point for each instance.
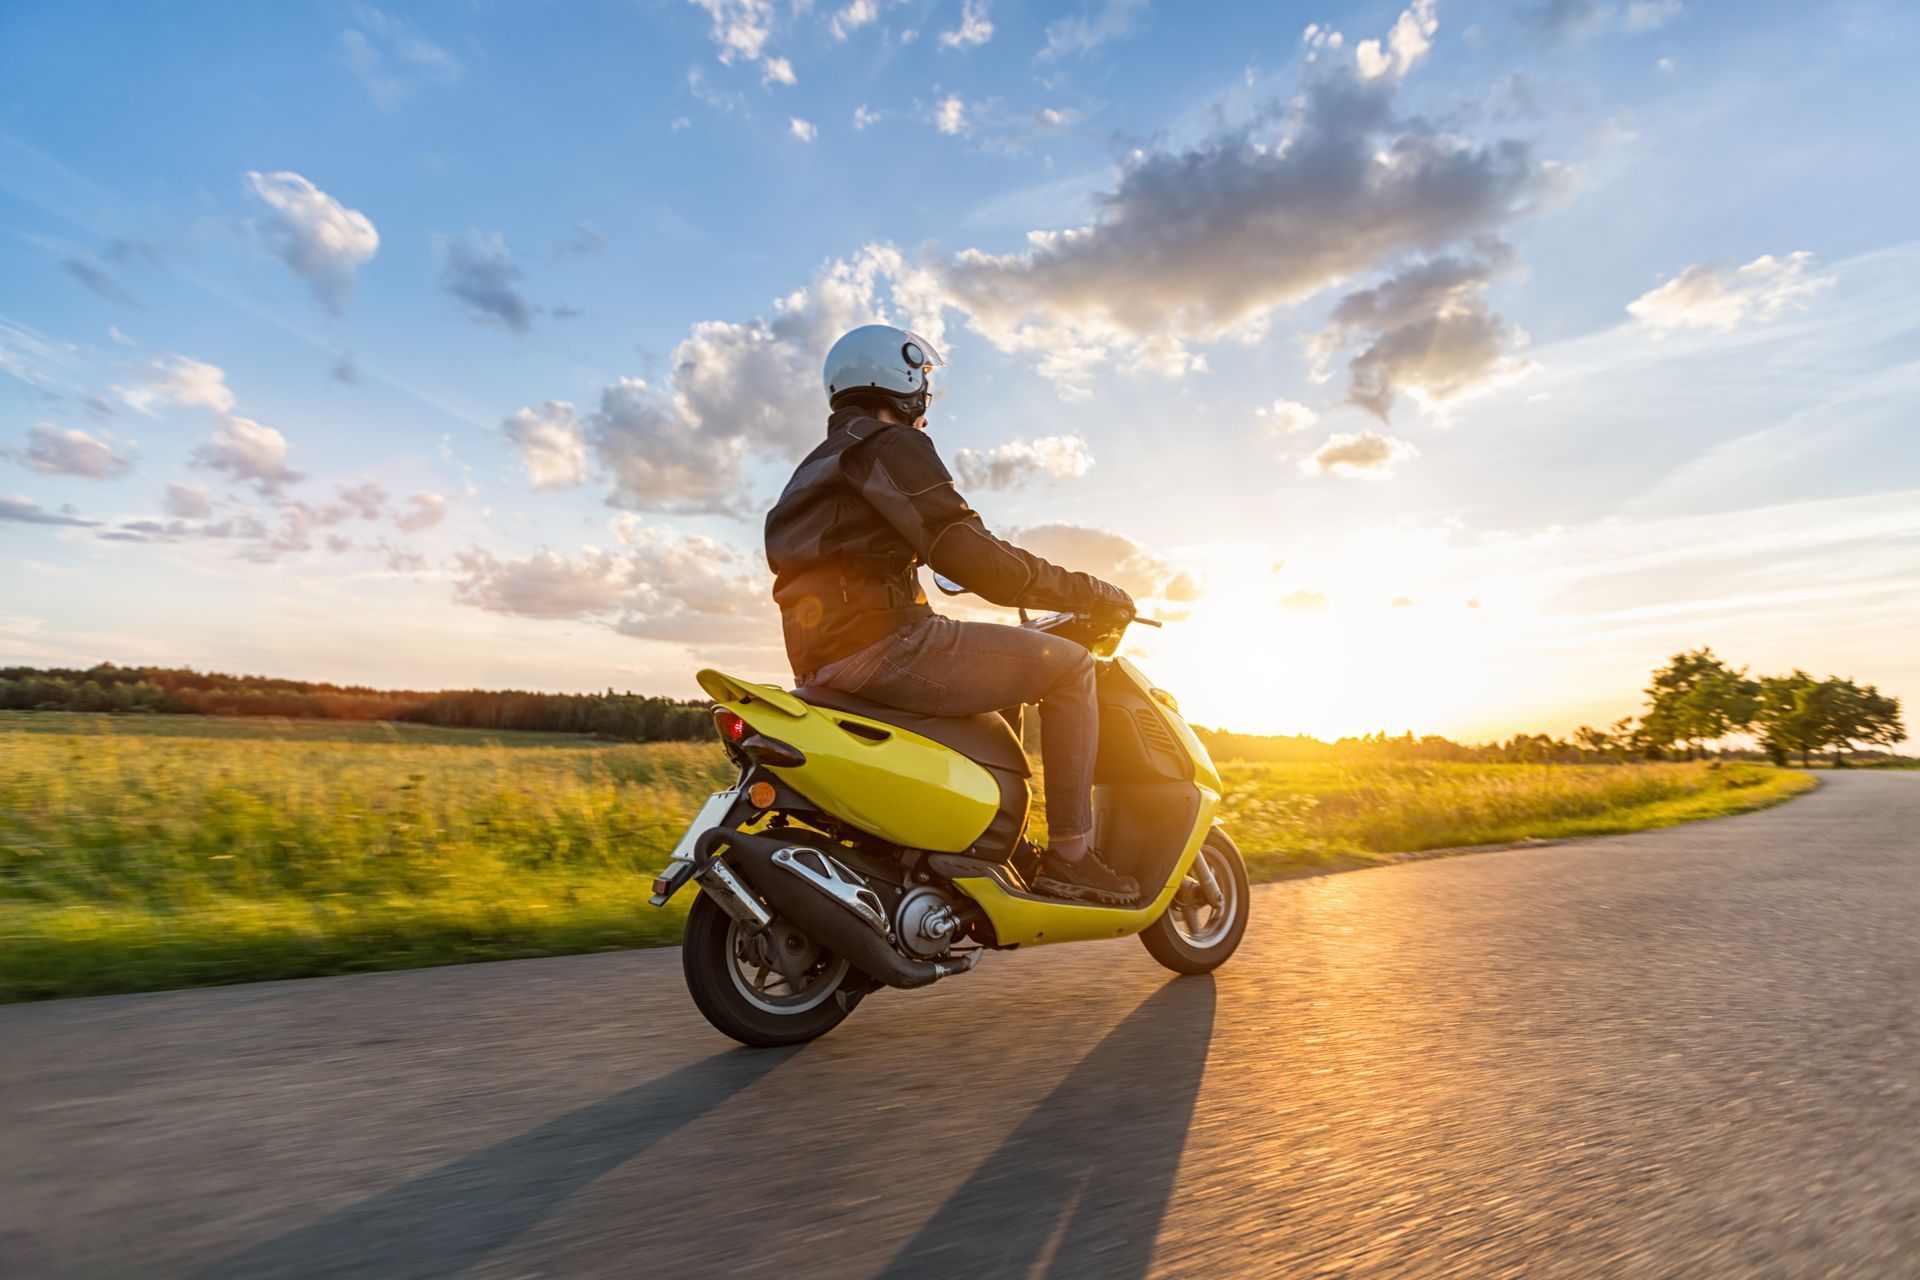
(1689, 1053)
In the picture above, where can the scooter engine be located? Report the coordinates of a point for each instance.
(927, 923)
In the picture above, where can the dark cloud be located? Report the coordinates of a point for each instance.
(480, 271)
(187, 502)
(99, 280)
(345, 370)
(584, 242)
(1199, 244)
(1425, 330)
(27, 511)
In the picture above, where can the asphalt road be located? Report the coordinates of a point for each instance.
(1690, 1053)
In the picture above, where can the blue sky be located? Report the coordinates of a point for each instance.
(1439, 367)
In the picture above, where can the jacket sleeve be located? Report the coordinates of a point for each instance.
(912, 490)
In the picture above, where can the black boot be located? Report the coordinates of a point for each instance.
(1088, 880)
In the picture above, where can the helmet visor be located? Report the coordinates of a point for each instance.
(916, 350)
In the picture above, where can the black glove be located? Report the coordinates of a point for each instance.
(1109, 599)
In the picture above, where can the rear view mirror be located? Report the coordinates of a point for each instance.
(948, 585)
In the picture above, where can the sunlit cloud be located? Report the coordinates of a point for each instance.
(1019, 462)
(1358, 453)
(318, 238)
(1722, 299)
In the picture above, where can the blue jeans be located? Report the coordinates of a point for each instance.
(940, 667)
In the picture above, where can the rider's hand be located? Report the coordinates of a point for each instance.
(1109, 599)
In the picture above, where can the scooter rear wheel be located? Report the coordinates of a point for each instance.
(746, 999)
(1202, 927)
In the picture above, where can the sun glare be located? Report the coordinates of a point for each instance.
(1328, 645)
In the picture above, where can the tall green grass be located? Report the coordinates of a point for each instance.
(1290, 817)
(140, 861)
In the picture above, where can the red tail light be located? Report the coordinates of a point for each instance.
(732, 728)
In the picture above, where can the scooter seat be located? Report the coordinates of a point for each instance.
(985, 739)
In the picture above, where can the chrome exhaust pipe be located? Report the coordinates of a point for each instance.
(718, 882)
(827, 904)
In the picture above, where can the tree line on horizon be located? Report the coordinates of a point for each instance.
(1693, 702)
(627, 717)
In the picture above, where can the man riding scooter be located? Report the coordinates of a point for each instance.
(864, 510)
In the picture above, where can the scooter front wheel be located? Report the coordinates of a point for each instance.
(1204, 923)
(735, 981)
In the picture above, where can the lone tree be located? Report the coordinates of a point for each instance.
(1800, 714)
(1696, 699)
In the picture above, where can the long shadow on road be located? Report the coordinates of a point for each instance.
(443, 1222)
(1081, 1186)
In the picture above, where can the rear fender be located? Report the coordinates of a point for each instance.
(879, 778)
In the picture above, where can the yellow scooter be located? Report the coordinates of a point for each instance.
(864, 847)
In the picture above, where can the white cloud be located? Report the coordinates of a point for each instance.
(1102, 21)
(802, 129)
(69, 451)
(247, 452)
(318, 238)
(747, 388)
(187, 502)
(863, 117)
(392, 59)
(856, 15)
(950, 114)
(1017, 462)
(1709, 297)
(663, 586)
(1407, 43)
(1285, 417)
(180, 380)
(425, 511)
(1363, 453)
(974, 29)
(551, 443)
(740, 30)
(1111, 556)
(480, 271)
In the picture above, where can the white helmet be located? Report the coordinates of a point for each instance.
(878, 358)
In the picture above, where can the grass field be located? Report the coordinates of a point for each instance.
(142, 853)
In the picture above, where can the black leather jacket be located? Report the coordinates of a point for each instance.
(866, 508)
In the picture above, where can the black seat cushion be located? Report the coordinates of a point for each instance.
(985, 739)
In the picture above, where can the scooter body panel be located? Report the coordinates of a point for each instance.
(1026, 919)
(878, 777)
